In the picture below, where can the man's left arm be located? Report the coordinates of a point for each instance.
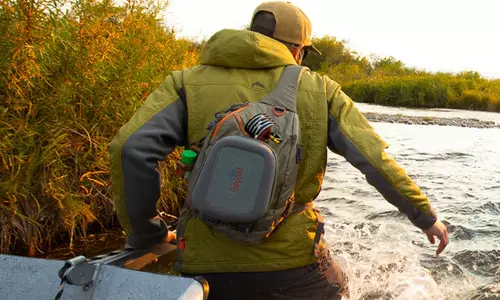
(152, 133)
(351, 136)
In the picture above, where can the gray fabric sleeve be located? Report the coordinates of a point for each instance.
(149, 144)
(340, 144)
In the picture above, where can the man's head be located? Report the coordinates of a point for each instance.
(286, 23)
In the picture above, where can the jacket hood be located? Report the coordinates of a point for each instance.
(245, 49)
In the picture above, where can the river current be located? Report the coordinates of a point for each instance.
(384, 255)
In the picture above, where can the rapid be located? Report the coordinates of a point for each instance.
(385, 257)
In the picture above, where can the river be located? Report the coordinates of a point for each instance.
(384, 255)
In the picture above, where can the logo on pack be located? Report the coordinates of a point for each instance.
(235, 179)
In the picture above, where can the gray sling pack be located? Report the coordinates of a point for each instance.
(242, 183)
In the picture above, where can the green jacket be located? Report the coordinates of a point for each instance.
(239, 66)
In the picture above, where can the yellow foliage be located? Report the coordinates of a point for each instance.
(68, 81)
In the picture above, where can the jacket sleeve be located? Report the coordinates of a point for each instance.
(351, 136)
(148, 137)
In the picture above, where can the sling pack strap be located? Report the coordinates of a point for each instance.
(290, 210)
(285, 93)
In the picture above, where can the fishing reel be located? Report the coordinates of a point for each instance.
(260, 127)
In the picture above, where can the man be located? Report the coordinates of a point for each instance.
(243, 66)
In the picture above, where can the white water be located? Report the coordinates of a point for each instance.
(384, 255)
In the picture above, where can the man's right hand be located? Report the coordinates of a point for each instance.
(441, 231)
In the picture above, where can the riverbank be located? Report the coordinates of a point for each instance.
(428, 120)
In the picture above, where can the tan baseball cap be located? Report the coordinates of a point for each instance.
(292, 24)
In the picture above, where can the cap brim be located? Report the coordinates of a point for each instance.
(313, 49)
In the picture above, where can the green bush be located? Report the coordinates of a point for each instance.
(427, 91)
(69, 80)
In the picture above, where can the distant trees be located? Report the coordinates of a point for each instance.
(388, 81)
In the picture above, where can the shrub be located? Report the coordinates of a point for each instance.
(69, 80)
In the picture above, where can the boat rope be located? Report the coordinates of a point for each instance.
(61, 285)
